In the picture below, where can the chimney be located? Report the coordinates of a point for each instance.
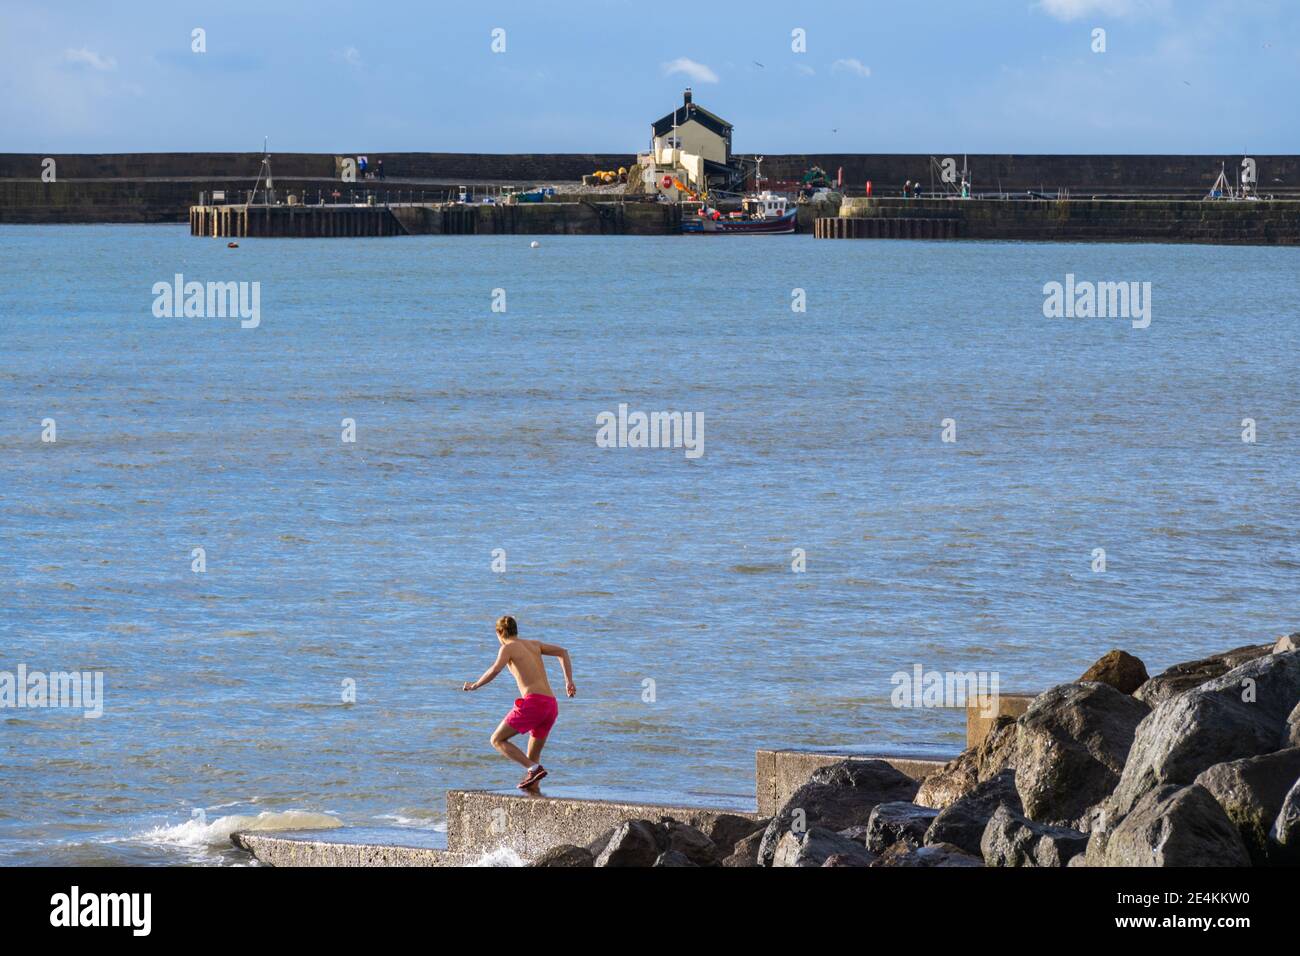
(686, 97)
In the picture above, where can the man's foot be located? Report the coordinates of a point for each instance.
(532, 777)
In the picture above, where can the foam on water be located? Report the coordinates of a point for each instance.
(200, 832)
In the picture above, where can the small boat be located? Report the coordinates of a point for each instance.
(764, 213)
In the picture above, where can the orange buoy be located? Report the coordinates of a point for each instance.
(232, 245)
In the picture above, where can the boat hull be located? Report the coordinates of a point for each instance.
(698, 225)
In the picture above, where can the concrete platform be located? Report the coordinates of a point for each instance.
(480, 821)
(348, 846)
(779, 773)
(978, 725)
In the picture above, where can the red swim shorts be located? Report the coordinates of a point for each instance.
(534, 714)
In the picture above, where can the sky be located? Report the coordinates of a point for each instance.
(976, 76)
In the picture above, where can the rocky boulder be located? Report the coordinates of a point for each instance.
(1251, 792)
(1284, 837)
(1287, 643)
(1170, 826)
(1241, 714)
(1070, 749)
(816, 846)
(837, 796)
(1291, 732)
(1182, 677)
(640, 843)
(745, 851)
(897, 821)
(1119, 669)
(632, 843)
(566, 855)
(962, 823)
(673, 858)
(938, 854)
(1012, 839)
(962, 774)
(728, 829)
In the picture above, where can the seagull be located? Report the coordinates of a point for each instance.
(759, 65)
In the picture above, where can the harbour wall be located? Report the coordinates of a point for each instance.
(160, 187)
(1275, 222)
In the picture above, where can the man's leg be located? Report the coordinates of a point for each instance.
(535, 750)
(501, 741)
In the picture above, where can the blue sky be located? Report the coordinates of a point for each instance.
(1200, 76)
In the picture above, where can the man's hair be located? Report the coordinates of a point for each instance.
(506, 626)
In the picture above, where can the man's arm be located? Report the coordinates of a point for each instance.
(566, 665)
(503, 657)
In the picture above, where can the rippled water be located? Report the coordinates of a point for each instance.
(371, 561)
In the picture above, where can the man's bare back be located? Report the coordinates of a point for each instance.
(524, 659)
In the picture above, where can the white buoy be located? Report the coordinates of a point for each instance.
(534, 244)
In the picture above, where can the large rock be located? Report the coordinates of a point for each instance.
(1284, 837)
(1120, 670)
(1251, 792)
(1182, 677)
(962, 823)
(1241, 714)
(1291, 732)
(891, 822)
(844, 859)
(838, 795)
(1012, 839)
(745, 851)
(678, 837)
(962, 774)
(814, 847)
(1070, 749)
(566, 855)
(728, 829)
(674, 858)
(1286, 643)
(1170, 826)
(633, 843)
(641, 842)
(938, 854)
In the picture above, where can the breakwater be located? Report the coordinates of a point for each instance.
(160, 187)
(1275, 222)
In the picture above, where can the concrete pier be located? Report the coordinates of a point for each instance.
(779, 773)
(482, 821)
(457, 219)
(349, 846)
(1222, 222)
(479, 821)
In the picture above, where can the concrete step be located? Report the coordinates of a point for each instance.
(981, 713)
(779, 773)
(480, 821)
(348, 846)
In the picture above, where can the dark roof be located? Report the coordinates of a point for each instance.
(690, 111)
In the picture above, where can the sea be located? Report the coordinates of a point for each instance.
(280, 541)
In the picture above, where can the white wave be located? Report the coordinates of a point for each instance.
(416, 823)
(501, 856)
(200, 832)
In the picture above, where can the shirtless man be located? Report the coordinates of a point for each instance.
(534, 713)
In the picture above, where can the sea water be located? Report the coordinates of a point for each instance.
(905, 461)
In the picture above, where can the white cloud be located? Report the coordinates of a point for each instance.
(696, 71)
(805, 70)
(91, 59)
(352, 57)
(852, 65)
(1074, 9)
